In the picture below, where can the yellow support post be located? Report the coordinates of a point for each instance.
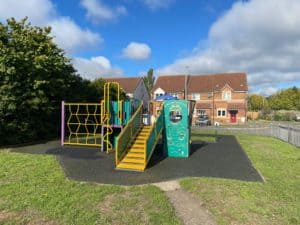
(107, 113)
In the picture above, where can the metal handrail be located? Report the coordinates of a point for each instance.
(154, 136)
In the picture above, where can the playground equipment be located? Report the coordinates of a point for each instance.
(96, 124)
(173, 120)
(107, 113)
(136, 143)
(177, 128)
(118, 125)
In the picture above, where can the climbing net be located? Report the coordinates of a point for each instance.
(83, 124)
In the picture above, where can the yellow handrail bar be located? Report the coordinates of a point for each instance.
(128, 126)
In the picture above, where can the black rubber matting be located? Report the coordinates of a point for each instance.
(223, 159)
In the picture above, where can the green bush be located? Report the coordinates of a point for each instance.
(284, 116)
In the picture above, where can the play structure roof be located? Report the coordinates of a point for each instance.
(165, 97)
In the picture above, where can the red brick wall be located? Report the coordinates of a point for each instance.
(238, 97)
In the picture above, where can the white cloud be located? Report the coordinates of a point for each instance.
(98, 12)
(38, 11)
(68, 35)
(96, 67)
(261, 38)
(157, 4)
(267, 91)
(137, 51)
(71, 37)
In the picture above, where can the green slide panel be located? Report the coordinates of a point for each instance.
(176, 138)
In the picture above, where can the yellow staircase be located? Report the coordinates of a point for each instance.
(135, 159)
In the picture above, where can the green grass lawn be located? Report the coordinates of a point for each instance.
(34, 189)
(277, 201)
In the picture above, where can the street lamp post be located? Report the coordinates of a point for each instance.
(185, 82)
(213, 106)
(213, 96)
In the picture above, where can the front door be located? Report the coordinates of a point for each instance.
(233, 116)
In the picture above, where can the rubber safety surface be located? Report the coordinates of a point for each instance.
(223, 159)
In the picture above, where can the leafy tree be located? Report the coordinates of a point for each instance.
(34, 77)
(287, 99)
(256, 102)
(149, 80)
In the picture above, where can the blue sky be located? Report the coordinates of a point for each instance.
(167, 30)
(127, 37)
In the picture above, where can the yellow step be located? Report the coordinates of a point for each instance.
(141, 137)
(133, 160)
(143, 132)
(131, 166)
(146, 128)
(137, 150)
(137, 146)
(135, 155)
(139, 142)
(140, 145)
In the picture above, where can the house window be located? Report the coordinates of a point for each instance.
(221, 112)
(195, 96)
(226, 95)
(201, 112)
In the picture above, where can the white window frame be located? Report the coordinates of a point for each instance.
(196, 96)
(226, 95)
(222, 114)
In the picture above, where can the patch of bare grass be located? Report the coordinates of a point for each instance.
(124, 208)
(28, 217)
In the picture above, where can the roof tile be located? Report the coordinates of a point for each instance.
(128, 84)
(170, 83)
(205, 83)
(202, 83)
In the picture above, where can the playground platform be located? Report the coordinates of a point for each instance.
(223, 159)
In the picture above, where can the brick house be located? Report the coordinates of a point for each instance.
(172, 85)
(134, 87)
(223, 97)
